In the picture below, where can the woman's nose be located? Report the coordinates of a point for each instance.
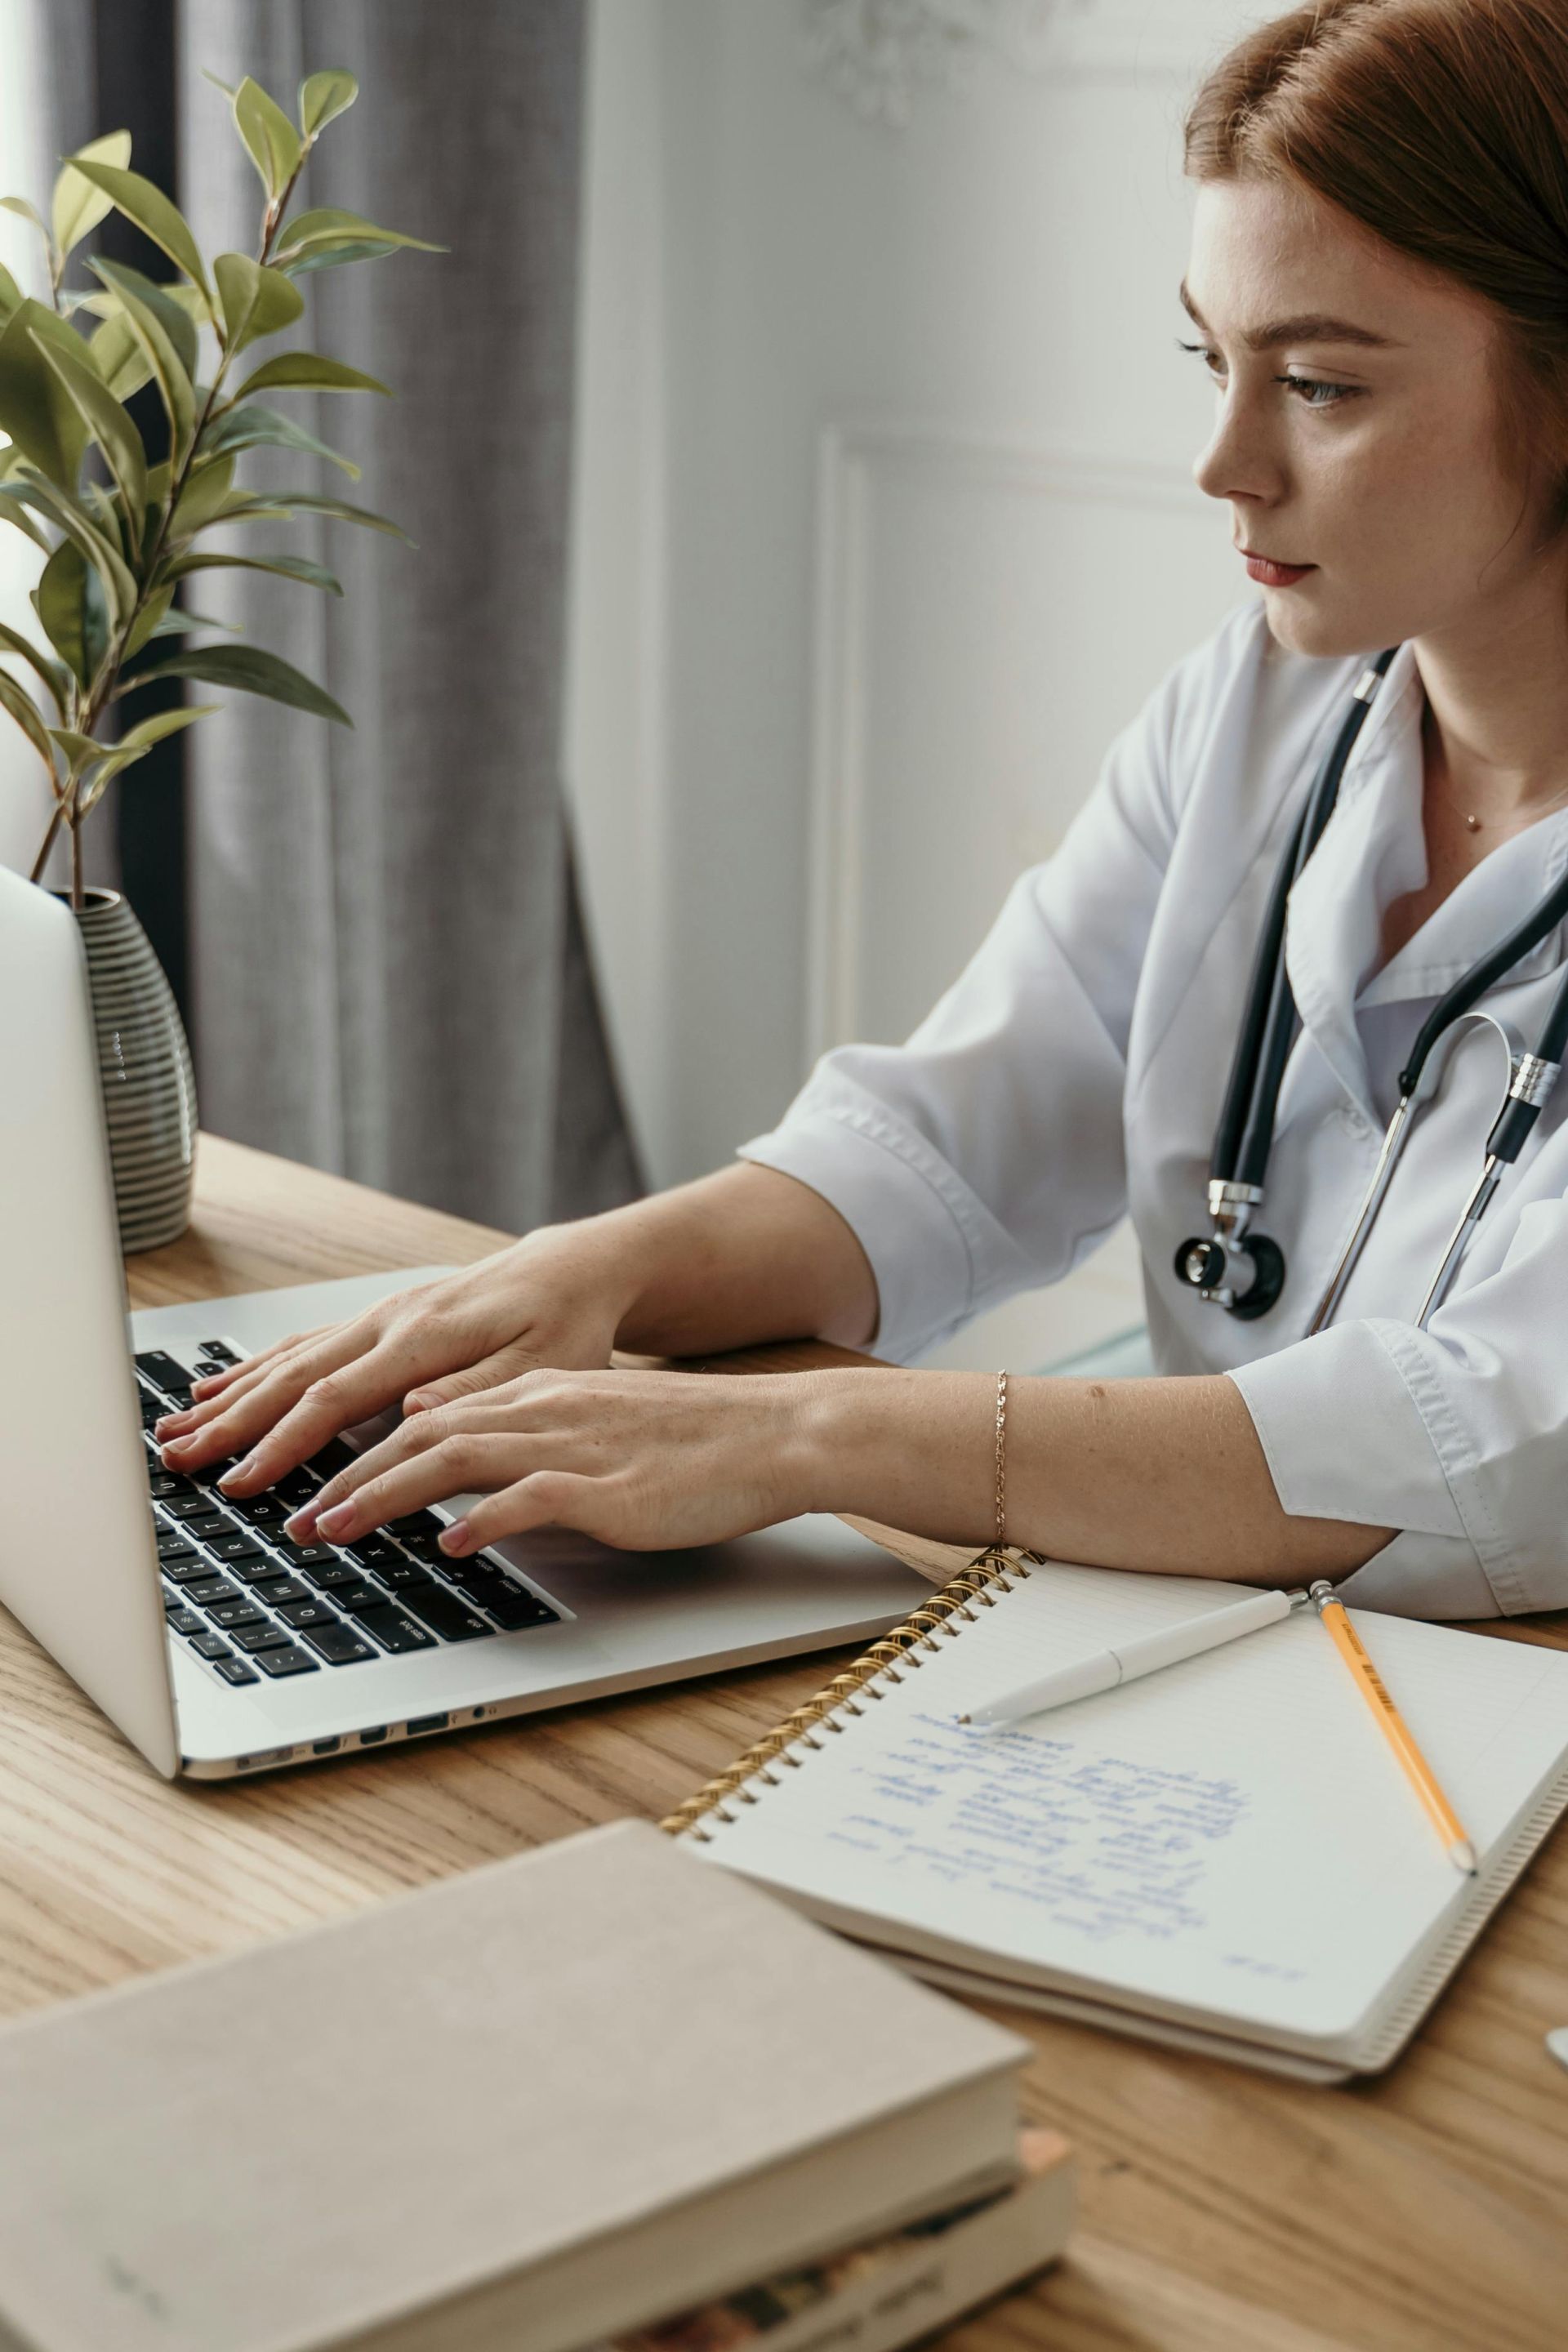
(1234, 463)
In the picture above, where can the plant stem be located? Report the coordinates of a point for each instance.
(42, 858)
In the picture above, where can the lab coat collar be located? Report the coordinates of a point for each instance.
(1373, 850)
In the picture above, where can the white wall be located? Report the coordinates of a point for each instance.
(885, 522)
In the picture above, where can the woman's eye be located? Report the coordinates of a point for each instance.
(1305, 386)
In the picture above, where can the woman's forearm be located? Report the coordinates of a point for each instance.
(1150, 1474)
(737, 1258)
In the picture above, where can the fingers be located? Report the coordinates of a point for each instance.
(349, 1392)
(306, 1353)
(454, 1466)
(506, 1364)
(216, 1383)
(546, 1498)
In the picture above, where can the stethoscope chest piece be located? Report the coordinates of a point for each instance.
(1232, 1268)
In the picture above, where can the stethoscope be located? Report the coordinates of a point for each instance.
(1243, 1271)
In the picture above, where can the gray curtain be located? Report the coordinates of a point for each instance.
(390, 974)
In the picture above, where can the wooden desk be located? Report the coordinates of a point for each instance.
(1222, 2210)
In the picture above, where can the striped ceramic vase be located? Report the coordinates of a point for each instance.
(145, 1062)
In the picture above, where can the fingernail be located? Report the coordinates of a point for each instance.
(457, 1537)
(338, 1521)
(170, 1420)
(176, 1444)
(302, 1526)
(241, 1470)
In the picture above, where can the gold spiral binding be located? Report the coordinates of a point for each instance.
(993, 1567)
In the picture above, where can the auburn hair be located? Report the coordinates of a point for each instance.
(1441, 126)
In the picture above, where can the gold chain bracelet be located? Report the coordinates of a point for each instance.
(1001, 1460)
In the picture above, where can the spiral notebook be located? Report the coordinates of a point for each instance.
(1224, 1856)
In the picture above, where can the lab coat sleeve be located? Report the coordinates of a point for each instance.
(985, 1156)
(1456, 1435)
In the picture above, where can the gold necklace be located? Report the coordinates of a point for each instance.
(1475, 824)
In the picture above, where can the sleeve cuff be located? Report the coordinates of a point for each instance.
(1345, 1437)
(925, 1277)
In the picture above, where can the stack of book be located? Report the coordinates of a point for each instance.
(597, 2095)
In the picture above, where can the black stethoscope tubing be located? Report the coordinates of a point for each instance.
(1244, 1134)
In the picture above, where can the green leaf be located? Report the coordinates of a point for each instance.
(152, 211)
(35, 408)
(290, 567)
(109, 426)
(148, 731)
(172, 304)
(12, 511)
(279, 503)
(83, 531)
(173, 379)
(25, 712)
(52, 676)
(118, 357)
(178, 622)
(256, 301)
(323, 97)
(82, 752)
(79, 205)
(253, 672)
(253, 427)
(307, 368)
(72, 609)
(148, 620)
(205, 489)
(11, 294)
(25, 211)
(270, 138)
(327, 225)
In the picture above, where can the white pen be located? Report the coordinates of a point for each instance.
(1105, 1668)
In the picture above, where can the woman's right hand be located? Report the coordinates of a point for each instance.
(554, 1299)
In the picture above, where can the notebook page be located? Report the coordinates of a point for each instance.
(1232, 1838)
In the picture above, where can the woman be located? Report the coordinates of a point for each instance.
(1379, 277)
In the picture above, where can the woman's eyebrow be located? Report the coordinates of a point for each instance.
(1310, 327)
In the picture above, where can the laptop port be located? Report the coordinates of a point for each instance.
(368, 1739)
(428, 1722)
(325, 1747)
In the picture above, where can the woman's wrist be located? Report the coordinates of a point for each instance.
(912, 1449)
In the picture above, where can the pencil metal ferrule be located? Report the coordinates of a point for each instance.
(1320, 1594)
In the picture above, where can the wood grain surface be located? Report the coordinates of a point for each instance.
(1221, 2211)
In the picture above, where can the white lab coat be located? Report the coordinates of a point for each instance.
(1074, 1073)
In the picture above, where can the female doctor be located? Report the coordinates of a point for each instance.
(1378, 287)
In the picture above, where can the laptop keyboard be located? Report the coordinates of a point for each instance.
(248, 1602)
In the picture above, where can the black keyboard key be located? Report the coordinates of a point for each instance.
(394, 1631)
(234, 1670)
(207, 1645)
(183, 1620)
(211, 1474)
(156, 1365)
(209, 1590)
(296, 1486)
(170, 1539)
(206, 1524)
(265, 1636)
(395, 1574)
(520, 1609)
(292, 1661)
(302, 1614)
(168, 1486)
(216, 1351)
(153, 1408)
(445, 1612)
(237, 1546)
(415, 1523)
(481, 1579)
(360, 1594)
(259, 1510)
(232, 1614)
(185, 1567)
(339, 1645)
(371, 1551)
(311, 1555)
(276, 1590)
(332, 1575)
(190, 1503)
(422, 1544)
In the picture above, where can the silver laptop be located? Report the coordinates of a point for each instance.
(215, 1646)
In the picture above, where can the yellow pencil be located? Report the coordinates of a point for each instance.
(1395, 1730)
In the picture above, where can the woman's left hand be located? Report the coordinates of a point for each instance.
(644, 1460)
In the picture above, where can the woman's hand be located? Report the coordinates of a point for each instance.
(644, 1460)
(552, 1299)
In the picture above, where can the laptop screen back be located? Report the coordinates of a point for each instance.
(78, 1560)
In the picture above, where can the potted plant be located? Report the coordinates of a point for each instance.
(121, 528)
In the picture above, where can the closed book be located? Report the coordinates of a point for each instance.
(895, 2289)
(522, 2109)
